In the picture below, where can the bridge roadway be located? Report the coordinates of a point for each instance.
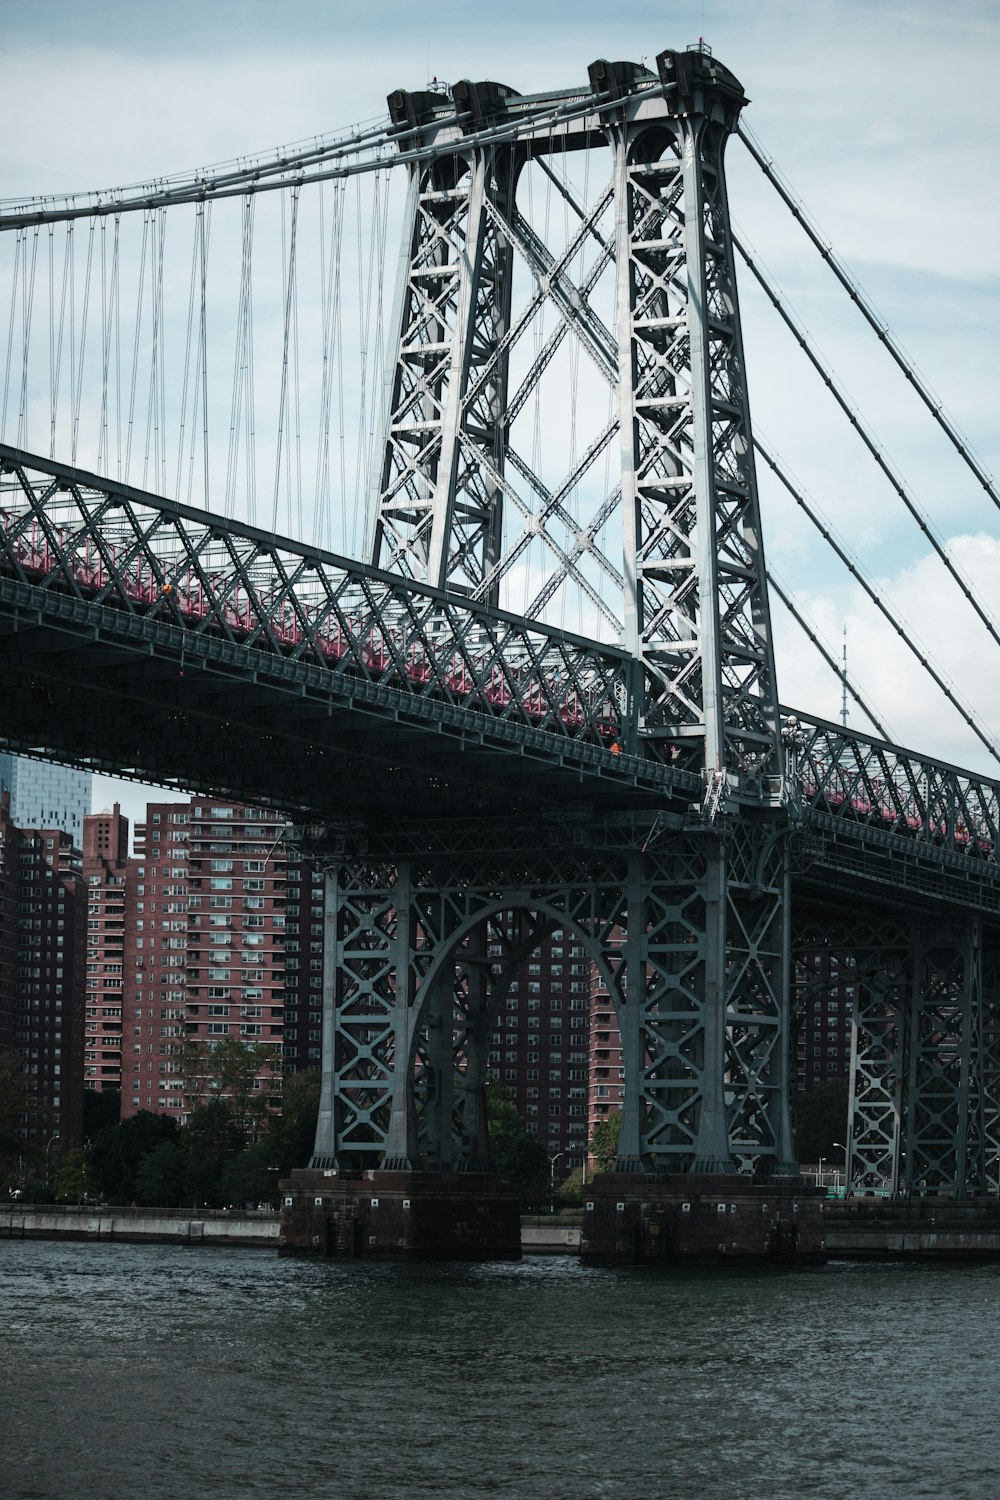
(146, 639)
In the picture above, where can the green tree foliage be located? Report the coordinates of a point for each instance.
(228, 1070)
(117, 1151)
(571, 1189)
(73, 1180)
(100, 1108)
(250, 1177)
(822, 1120)
(233, 1069)
(210, 1138)
(161, 1178)
(292, 1134)
(604, 1141)
(515, 1153)
(18, 1156)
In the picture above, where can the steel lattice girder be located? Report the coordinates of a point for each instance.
(692, 591)
(415, 993)
(874, 956)
(697, 612)
(923, 1109)
(990, 1064)
(944, 1115)
(82, 554)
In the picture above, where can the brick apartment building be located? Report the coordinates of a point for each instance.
(823, 1007)
(105, 867)
(304, 895)
(540, 1045)
(204, 947)
(41, 977)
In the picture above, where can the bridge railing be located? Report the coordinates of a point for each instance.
(868, 783)
(67, 532)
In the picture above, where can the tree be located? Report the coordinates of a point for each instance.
(292, 1134)
(822, 1120)
(117, 1151)
(73, 1179)
(514, 1151)
(571, 1190)
(604, 1141)
(229, 1071)
(161, 1177)
(250, 1177)
(234, 1066)
(210, 1138)
(17, 1093)
(101, 1107)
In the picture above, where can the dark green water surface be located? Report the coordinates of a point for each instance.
(155, 1373)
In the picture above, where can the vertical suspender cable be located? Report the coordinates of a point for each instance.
(206, 232)
(137, 334)
(82, 360)
(192, 285)
(52, 345)
(28, 298)
(288, 259)
(65, 306)
(19, 248)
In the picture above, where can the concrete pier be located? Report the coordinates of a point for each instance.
(645, 1220)
(400, 1215)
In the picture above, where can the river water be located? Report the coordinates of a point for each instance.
(162, 1373)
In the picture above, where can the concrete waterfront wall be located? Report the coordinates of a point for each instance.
(151, 1226)
(930, 1228)
(541, 1235)
(254, 1230)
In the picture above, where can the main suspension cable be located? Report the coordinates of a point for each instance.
(870, 314)
(857, 572)
(816, 640)
(861, 428)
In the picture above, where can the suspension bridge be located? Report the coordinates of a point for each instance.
(518, 670)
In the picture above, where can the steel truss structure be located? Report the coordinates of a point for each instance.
(421, 955)
(478, 777)
(926, 1010)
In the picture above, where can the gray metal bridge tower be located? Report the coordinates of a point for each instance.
(684, 911)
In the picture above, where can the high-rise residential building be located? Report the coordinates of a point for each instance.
(8, 924)
(303, 1019)
(44, 795)
(204, 949)
(823, 1012)
(42, 1009)
(606, 1074)
(105, 866)
(539, 1047)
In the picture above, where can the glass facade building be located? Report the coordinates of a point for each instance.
(43, 795)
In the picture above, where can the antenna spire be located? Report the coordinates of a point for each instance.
(843, 684)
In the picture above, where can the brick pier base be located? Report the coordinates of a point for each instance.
(400, 1215)
(646, 1220)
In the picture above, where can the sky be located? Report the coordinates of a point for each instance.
(882, 118)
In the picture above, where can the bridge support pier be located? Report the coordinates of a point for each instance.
(400, 1215)
(700, 1219)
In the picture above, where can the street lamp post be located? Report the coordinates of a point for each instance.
(820, 1177)
(841, 1147)
(552, 1179)
(48, 1148)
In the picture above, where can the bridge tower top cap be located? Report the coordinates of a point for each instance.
(695, 83)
